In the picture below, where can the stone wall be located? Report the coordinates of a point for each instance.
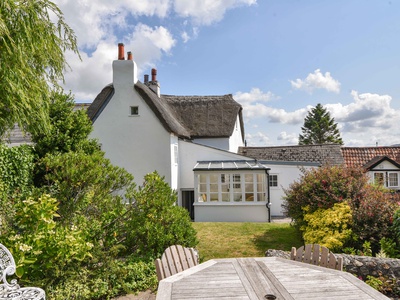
(361, 266)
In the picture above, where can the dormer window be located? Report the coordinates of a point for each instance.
(134, 110)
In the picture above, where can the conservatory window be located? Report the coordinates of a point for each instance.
(231, 187)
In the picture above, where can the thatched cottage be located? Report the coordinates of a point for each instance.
(192, 141)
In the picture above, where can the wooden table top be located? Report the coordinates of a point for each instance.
(253, 278)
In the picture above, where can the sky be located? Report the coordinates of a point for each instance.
(278, 58)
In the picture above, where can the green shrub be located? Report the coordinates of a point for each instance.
(106, 280)
(16, 167)
(396, 224)
(328, 227)
(156, 222)
(43, 249)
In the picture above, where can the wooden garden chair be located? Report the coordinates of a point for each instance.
(175, 259)
(317, 255)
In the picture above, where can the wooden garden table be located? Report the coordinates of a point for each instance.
(254, 278)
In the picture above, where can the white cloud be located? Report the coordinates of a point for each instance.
(90, 75)
(317, 80)
(257, 139)
(367, 110)
(254, 96)
(289, 139)
(206, 12)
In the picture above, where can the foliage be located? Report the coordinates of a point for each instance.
(372, 207)
(69, 129)
(385, 285)
(321, 188)
(328, 227)
(31, 59)
(319, 128)
(389, 248)
(43, 250)
(396, 224)
(156, 222)
(16, 167)
(372, 215)
(107, 280)
(90, 191)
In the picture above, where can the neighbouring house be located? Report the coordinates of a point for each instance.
(381, 163)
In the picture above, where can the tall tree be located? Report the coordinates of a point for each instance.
(319, 128)
(33, 39)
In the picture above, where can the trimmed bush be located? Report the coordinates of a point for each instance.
(328, 227)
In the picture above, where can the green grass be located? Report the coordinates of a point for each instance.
(222, 240)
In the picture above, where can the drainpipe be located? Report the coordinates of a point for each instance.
(268, 205)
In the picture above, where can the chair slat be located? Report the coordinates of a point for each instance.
(175, 259)
(317, 255)
(307, 254)
(324, 257)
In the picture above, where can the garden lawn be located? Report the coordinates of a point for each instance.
(222, 240)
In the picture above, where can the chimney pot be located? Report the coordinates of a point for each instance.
(146, 78)
(130, 56)
(121, 51)
(153, 75)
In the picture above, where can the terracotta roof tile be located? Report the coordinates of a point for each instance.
(360, 156)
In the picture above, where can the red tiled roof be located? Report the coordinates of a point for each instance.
(359, 156)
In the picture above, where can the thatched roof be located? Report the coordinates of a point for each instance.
(206, 116)
(186, 116)
(323, 154)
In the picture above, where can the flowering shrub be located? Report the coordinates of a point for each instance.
(372, 207)
(321, 188)
(328, 227)
(373, 212)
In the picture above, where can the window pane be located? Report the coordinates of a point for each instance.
(202, 178)
(236, 181)
(213, 178)
(213, 196)
(393, 179)
(225, 197)
(273, 180)
(261, 197)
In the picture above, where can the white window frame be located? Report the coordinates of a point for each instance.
(388, 179)
(235, 188)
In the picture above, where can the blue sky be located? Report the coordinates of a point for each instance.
(278, 58)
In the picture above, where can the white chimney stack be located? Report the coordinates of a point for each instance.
(124, 71)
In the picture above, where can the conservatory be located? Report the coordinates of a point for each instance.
(231, 191)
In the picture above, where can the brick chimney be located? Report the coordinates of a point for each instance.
(124, 71)
(153, 84)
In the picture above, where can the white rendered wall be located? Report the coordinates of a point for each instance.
(287, 174)
(236, 139)
(231, 212)
(191, 153)
(140, 144)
